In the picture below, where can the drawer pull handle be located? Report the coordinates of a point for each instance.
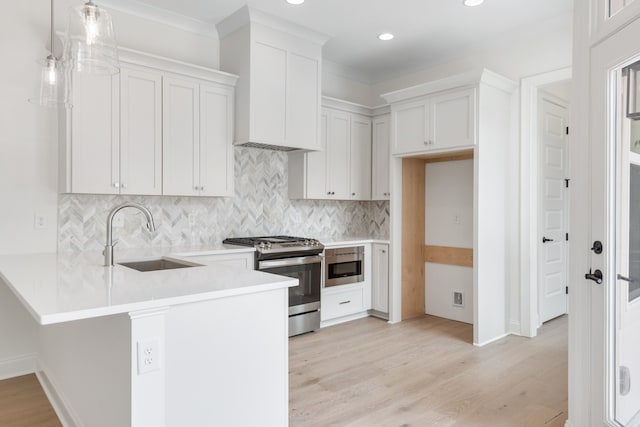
(345, 302)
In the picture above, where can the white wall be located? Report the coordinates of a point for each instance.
(28, 140)
(449, 222)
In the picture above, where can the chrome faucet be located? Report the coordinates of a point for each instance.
(108, 247)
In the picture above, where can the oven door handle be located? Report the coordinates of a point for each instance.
(263, 265)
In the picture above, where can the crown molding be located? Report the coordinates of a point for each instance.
(162, 16)
(248, 15)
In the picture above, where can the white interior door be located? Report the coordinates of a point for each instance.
(552, 253)
(627, 278)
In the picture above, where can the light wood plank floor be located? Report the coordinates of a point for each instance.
(426, 372)
(24, 404)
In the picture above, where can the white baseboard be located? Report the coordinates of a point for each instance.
(568, 424)
(482, 344)
(17, 366)
(514, 327)
(343, 319)
(58, 402)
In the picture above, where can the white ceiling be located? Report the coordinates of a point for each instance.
(427, 31)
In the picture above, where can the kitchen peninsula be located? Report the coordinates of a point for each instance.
(198, 345)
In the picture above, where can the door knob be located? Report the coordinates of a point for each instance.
(545, 240)
(596, 276)
(597, 247)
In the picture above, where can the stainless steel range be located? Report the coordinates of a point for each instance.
(295, 257)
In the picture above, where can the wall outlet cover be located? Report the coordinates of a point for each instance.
(148, 356)
(458, 299)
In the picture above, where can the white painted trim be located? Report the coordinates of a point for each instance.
(568, 424)
(135, 57)
(343, 319)
(395, 239)
(492, 340)
(380, 110)
(60, 405)
(514, 327)
(529, 196)
(348, 106)
(248, 15)
(17, 366)
(470, 78)
(162, 16)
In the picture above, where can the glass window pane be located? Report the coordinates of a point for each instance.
(634, 233)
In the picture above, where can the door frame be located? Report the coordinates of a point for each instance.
(529, 171)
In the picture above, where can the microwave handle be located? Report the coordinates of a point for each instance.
(263, 265)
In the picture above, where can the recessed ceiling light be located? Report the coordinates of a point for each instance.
(386, 36)
(296, 2)
(473, 2)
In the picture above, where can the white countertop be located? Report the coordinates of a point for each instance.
(349, 241)
(64, 287)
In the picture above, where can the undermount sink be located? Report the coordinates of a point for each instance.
(157, 264)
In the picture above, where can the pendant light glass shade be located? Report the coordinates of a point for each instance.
(90, 43)
(54, 82)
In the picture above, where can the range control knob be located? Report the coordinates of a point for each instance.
(307, 242)
(261, 245)
(268, 245)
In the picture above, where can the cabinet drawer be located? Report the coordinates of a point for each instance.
(343, 303)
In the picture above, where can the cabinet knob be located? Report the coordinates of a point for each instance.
(123, 185)
(116, 185)
(328, 193)
(384, 252)
(353, 194)
(202, 188)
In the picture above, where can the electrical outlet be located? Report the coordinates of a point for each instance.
(40, 221)
(456, 219)
(458, 299)
(192, 219)
(148, 356)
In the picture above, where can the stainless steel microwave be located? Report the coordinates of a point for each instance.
(343, 266)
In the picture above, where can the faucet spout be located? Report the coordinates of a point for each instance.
(108, 247)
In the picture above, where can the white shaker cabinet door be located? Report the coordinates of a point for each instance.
(380, 189)
(338, 139)
(360, 158)
(95, 154)
(181, 130)
(453, 119)
(380, 278)
(216, 138)
(410, 127)
(140, 132)
(268, 94)
(303, 101)
(315, 168)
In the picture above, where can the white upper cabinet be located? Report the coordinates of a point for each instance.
(278, 99)
(157, 127)
(140, 132)
(216, 134)
(381, 158)
(90, 158)
(342, 171)
(360, 158)
(434, 122)
(181, 128)
(198, 129)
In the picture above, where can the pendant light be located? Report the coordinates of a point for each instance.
(91, 44)
(53, 81)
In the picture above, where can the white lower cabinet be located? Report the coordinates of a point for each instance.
(380, 278)
(342, 302)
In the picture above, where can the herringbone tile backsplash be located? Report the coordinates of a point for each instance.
(260, 207)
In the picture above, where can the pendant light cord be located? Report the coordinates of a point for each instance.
(51, 40)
